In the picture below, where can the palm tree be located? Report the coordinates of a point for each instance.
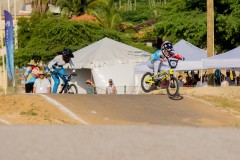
(39, 6)
(76, 7)
(105, 12)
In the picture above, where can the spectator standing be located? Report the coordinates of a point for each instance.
(111, 89)
(180, 81)
(31, 74)
(218, 77)
(42, 84)
(90, 87)
(230, 78)
(22, 79)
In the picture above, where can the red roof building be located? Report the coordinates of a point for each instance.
(84, 17)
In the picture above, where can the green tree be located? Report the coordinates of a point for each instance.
(54, 34)
(106, 13)
(74, 7)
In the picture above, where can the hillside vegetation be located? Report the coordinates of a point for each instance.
(41, 36)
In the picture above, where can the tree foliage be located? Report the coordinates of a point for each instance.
(49, 35)
(106, 13)
(186, 19)
(41, 36)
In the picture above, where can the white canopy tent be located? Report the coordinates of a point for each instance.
(227, 60)
(192, 54)
(107, 59)
(193, 61)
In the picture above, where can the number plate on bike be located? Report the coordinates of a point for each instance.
(173, 63)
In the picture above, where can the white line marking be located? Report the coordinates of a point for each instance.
(64, 109)
(199, 100)
(5, 122)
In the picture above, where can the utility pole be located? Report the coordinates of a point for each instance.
(210, 28)
(210, 36)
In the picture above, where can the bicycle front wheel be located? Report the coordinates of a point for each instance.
(172, 87)
(72, 89)
(147, 82)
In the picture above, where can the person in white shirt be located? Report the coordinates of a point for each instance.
(42, 84)
(224, 83)
(111, 89)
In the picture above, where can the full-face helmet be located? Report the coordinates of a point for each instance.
(67, 53)
(167, 46)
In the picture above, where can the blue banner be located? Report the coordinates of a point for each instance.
(9, 41)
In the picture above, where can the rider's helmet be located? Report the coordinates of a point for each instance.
(67, 53)
(167, 46)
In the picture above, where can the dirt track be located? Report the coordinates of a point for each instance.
(145, 109)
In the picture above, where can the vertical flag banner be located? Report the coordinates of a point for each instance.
(9, 44)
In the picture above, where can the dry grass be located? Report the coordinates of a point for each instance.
(31, 109)
(224, 98)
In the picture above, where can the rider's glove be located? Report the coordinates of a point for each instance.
(74, 72)
(183, 59)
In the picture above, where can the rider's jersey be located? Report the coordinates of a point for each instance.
(58, 62)
(159, 55)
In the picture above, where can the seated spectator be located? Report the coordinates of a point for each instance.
(199, 83)
(180, 81)
(195, 80)
(90, 87)
(224, 82)
(42, 84)
(205, 81)
(238, 81)
(188, 82)
(111, 89)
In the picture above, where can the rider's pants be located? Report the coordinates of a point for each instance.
(56, 78)
(157, 67)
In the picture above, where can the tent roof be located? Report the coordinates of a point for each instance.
(227, 60)
(189, 51)
(107, 52)
(232, 54)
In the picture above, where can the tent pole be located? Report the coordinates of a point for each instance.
(201, 72)
(91, 76)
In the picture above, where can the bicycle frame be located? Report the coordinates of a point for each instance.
(165, 79)
(170, 73)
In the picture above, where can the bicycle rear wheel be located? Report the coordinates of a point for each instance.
(146, 84)
(72, 89)
(172, 87)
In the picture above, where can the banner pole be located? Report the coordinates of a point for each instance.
(15, 25)
(9, 6)
(3, 60)
(15, 41)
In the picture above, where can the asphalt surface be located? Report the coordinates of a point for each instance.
(118, 142)
(145, 110)
(132, 127)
